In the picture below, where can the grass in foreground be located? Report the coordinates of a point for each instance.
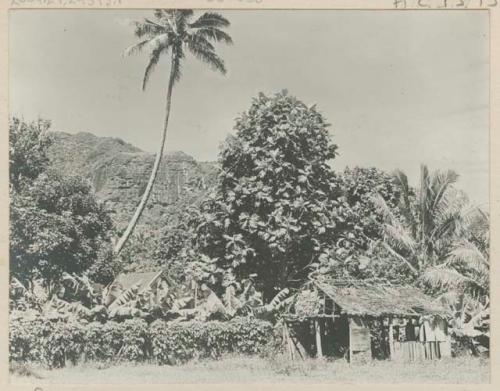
(238, 369)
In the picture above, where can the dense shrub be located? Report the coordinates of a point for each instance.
(135, 340)
(251, 337)
(62, 342)
(174, 343)
(51, 343)
(55, 343)
(114, 341)
(24, 341)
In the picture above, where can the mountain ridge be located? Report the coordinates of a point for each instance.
(118, 172)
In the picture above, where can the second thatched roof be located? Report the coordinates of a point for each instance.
(368, 299)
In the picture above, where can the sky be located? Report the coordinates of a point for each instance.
(400, 88)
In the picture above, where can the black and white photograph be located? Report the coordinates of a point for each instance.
(248, 196)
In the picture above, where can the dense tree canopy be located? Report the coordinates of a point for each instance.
(56, 223)
(359, 186)
(278, 207)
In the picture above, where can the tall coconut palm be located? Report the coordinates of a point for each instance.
(172, 32)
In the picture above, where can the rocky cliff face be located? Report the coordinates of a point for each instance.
(119, 172)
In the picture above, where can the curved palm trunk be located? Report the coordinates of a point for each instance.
(154, 172)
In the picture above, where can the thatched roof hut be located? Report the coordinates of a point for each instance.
(342, 317)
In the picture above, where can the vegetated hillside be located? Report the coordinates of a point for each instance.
(119, 171)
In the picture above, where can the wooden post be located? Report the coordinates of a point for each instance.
(350, 340)
(298, 346)
(319, 350)
(290, 345)
(391, 339)
(288, 342)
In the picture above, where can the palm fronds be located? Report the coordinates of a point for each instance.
(154, 58)
(210, 19)
(172, 30)
(209, 57)
(467, 254)
(443, 277)
(214, 34)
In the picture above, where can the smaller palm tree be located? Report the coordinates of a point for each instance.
(445, 244)
(172, 32)
(420, 234)
(466, 267)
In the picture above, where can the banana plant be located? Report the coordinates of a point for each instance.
(470, 320)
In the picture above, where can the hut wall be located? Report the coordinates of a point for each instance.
(359, 340)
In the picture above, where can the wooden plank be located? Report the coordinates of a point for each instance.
(319, 349)
(421, 351)
(445, 348)
(350, 340)
(359, 341)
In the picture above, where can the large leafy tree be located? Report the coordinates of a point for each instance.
(56, 224)
(277, 210)
(28, 143)
(173, 32)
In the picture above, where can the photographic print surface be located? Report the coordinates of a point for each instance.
(209, 196)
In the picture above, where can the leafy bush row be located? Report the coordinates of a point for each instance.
(54, 344)
(177, 343)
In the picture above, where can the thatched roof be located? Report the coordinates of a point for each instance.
(127, 280)
(379, 300)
